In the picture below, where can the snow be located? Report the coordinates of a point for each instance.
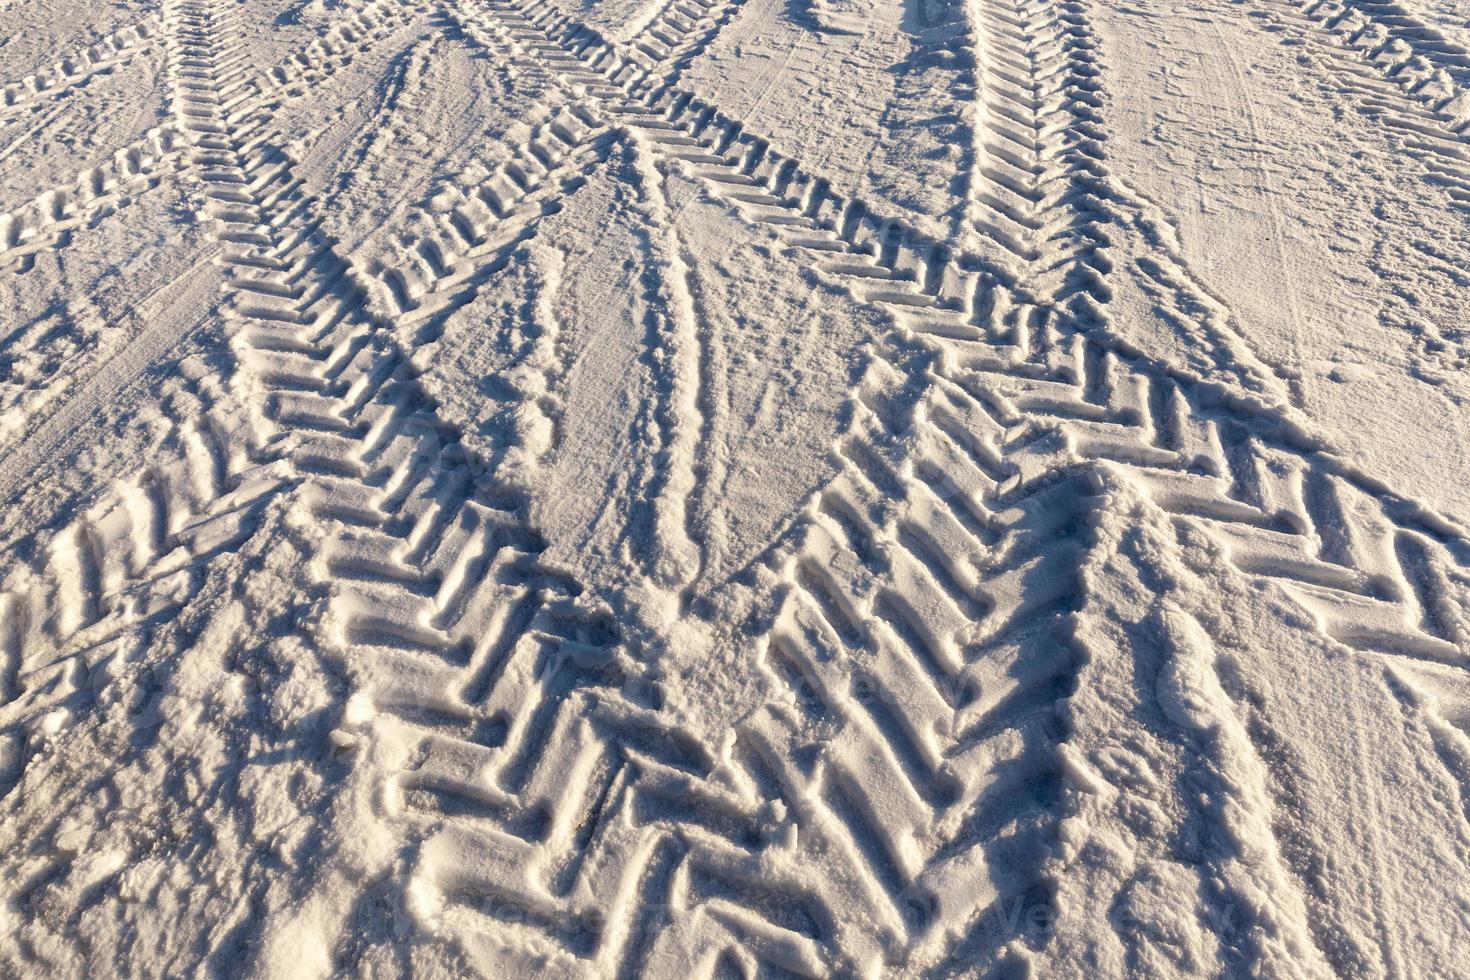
(734, 488)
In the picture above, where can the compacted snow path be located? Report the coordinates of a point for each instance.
(734, 488)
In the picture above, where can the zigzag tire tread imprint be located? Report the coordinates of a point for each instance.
(1022, 403)
(904, 773)
(140, 544)
(1410, 74)
(221, 460)
(77, 67)
(1030, 350)
(50, 220)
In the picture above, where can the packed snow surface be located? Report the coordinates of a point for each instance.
(734, 488)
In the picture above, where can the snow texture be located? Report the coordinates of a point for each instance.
(734, 488)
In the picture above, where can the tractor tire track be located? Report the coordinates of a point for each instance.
(1019, 397)
(50, 220)
(76, 68)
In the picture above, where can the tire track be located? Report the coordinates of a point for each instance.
(1018, 396)
(1040, 164)
(913, 741)
(1105, 216)
(1412, 79)
(1375, 571)
(425, 555)
(432, 597)
(756, 850)
(529, 725)
(679, 35)
(49, 220)
(137, 548)
(1201, 453)
(448, 249)
(304, 70)
(916, 734)
(1413, 56)
(77, 67)
(135, 554)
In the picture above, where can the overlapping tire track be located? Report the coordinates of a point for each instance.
(212, 468)
(1201, 454)
(912, 742)
(1019, 394)
(428, 560)
(136, 555)
(479, 234)
(859, 818)
(135, 552)
(49, 220)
